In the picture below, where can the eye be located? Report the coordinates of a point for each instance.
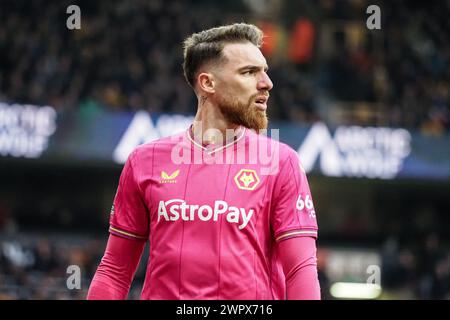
(249, 72)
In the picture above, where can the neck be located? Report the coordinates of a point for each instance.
(210, 126)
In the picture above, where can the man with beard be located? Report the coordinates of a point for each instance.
(239, 228)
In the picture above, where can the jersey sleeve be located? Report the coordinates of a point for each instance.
(129, 215)
(293, 213)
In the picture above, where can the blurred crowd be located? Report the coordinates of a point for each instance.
(42, 267)
(127, 56)
(414, 270)
(35, 266)
(404, 68)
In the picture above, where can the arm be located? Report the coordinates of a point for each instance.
(294, 226)
(129, 225)
(116, 270)
(298, 258)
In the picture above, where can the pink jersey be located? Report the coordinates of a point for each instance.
(213, 227)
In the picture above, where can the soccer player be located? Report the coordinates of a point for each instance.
(222, 221)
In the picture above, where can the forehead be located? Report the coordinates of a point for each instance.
(241, 54)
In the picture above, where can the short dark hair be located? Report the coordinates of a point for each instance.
(207, 45)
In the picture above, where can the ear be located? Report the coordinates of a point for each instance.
(206, 82)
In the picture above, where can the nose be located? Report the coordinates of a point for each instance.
(264, 83)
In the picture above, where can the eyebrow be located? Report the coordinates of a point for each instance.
(253, 68)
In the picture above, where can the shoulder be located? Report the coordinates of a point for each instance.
(156, 147)
(289, 159)
(273, 155)
(273, 145)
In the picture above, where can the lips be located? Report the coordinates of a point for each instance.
(262, 99)
(261, 102)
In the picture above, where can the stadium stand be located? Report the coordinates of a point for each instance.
(127, 56)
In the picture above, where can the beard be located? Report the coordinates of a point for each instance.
(243, 114)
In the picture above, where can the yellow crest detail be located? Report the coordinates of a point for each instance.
(166, 178)
(246, 179)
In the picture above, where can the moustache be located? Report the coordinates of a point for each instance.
(261, 94)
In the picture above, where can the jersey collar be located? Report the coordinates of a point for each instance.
(239, 136)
